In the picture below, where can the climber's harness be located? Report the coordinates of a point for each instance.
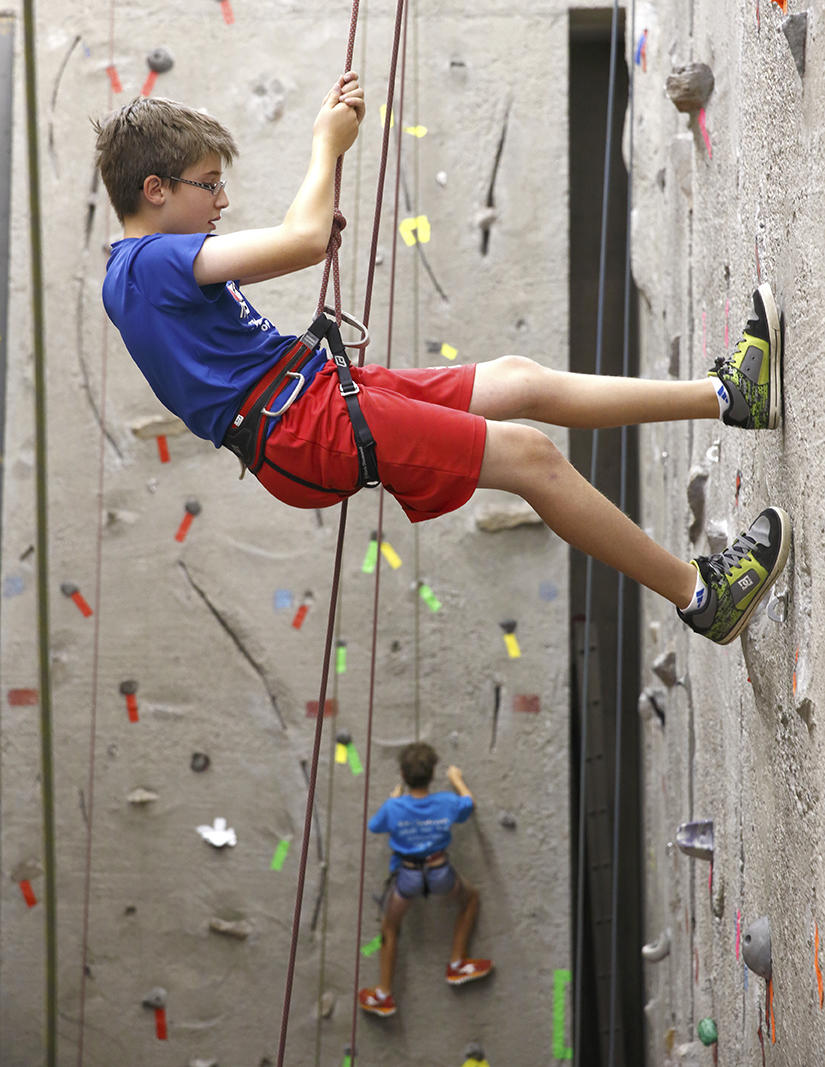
(247, 433)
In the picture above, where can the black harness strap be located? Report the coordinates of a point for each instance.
(246, 436)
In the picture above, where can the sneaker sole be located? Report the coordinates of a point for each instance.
(781, 560)
(469, 978)
(771, 312)
(380, 1012)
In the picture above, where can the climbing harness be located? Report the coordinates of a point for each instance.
(247, 434)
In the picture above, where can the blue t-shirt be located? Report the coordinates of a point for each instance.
(199, 347)
(419, 826)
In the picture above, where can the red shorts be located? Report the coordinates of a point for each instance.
(428, 446)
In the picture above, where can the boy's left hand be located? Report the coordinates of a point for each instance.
(352, 94)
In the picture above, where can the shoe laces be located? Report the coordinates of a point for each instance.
(751, 328)
(723, 562)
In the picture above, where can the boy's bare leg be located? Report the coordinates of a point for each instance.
(390, 928)
(465, 920)
(522, 460)
(514, 387)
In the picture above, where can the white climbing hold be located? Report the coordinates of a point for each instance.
(218, 834)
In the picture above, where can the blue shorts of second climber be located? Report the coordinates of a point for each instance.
(411, 882)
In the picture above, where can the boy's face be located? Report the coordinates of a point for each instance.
(191, 209)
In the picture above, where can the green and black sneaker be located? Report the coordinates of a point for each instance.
(752, 376)
(738, 578)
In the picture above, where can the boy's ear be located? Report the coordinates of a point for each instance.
(153, 190)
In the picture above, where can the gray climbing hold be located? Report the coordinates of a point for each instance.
(494, 515)
(326, 1005)
(155, 998)
(343, 737)
(26, 871)
(142, 796)
(474, 1051)
(696, 496)
(268, 100)
(129, 687)
(199, 762)
(689, 87)
(664, 667)
(756, 947)
(240, 929)
(203, 1063)
(192, 507)
(160, 60)
(656, 951)
(696, 839)
(718, 536)
(795, 28)
(507, 820)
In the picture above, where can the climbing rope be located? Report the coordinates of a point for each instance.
(582, 813)
(42, 536)
(403, 7)
(332, 261)
(617, 768)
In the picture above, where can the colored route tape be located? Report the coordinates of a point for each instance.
(22, 698)
(371, 947)
(341, 658)
(300, 615)
(429, 597)
(28, 893)
(371, 557)
(163, 444)
(114, 79)
(183, 529)
(160, 1023)
(132, 707)
(561, 980)
(354, 759)
(148, 86)
(512, 645)
(448, 352)
(390, 555)
(82, 604)
(228, 13)
(340, 753)
(816, 964)
(703, 126)
(279, 858)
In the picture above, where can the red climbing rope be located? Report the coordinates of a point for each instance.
(380, 525)
(332, 265)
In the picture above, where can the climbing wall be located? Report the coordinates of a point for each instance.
(727, 194)
(188, 609)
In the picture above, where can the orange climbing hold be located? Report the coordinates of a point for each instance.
(783, 5)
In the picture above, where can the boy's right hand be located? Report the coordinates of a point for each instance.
(341, 113)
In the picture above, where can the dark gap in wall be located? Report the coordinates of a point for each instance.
(588, 91)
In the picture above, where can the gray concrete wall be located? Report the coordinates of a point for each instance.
(205, 626)
(741, 740)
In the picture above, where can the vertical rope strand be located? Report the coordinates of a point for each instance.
(620, 606)
(42, 537)
(402, 9)
(578, 970)
(341, 531)
(104, 349)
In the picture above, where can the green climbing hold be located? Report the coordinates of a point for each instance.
(708, 1034)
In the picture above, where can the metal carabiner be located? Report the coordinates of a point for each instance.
(350, 320)
(293, 396)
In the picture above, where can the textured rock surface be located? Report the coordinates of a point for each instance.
(204, 627)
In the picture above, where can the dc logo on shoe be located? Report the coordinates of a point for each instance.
(746, 581)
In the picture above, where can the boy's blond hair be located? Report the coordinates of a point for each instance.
(154, 136)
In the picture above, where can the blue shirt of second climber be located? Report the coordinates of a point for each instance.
(201, 348)
(419, 826)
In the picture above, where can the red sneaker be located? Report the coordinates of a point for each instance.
(376, 1003)
(468, 971)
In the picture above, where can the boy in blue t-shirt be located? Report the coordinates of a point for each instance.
(419, 825)
(173, 289)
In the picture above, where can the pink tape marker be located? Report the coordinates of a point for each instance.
(704, 128)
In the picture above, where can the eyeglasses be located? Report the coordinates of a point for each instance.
(215, 188)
